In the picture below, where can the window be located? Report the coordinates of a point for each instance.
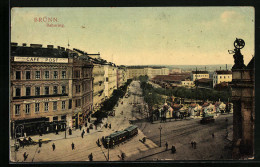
(18, 75)
(220, 77)
(55, 74)
(46, 88)
(37, 74)
(47, 74)
(27, 109)
(63, 105)
(18, 92)
(78, 103)
(77, 88)
(46, 106)
(17, 109)
(37, 107)
(63, 74)
(70, 104)
(37, 91)
(54, 106)
(77, 74)
(28, 91)
(55, 90)
(28, 74)
(63, 89)
(224, 77)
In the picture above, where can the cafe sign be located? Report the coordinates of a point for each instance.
(41, 59)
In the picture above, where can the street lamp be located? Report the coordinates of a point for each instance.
(160, 128)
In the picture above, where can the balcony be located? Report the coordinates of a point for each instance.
(40, 96)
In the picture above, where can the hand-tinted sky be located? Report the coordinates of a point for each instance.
(131, 36)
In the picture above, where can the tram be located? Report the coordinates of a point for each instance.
(120, 136)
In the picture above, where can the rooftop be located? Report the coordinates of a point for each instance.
(200, 72)
(223, 72)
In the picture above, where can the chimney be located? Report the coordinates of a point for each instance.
(14, 44)
(36, 45)
(50, 46)
(24, 44)
(62, 48)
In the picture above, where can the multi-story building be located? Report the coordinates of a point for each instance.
(121, 76)
(199, 75)
(110, 79)
(98, 77)
(82, 90)
(136, 71)
(41, 92)
(221, 76)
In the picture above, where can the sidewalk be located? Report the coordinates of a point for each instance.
(61, 135)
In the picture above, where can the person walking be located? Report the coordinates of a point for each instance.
(173, 149)
(98, 143)
(70, 131)
(82, 135)
(213, 135)
(123, 156)
(72, 146)
(25, 156)
(194, 143)
(40, 143)
(166, 145)
(90, 157)
(53, 147)
(80, 127)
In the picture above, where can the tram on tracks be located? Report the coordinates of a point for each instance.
(120, 136)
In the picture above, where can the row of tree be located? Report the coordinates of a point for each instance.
(110, 103)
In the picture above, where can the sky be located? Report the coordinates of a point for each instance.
(142, 35)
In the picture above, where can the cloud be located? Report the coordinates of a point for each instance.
(229, 16)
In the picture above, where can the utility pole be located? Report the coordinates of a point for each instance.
(108, 149)
(160, 128)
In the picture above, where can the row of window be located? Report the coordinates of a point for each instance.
(221, 77)
(198, 75)
(38, 91)
(37, 75)
(37, 107)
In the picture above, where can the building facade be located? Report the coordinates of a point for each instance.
(42, 95)
(110, 77)
(199, 75)
(221, 76)
(121, 76)
(243, 99)
(133, 72)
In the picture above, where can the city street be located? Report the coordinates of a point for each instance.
(85, 146)
(175, 132)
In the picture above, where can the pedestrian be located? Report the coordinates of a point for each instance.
(53, 147)
(86, 124)
(80, 127)
(83, 131)
(87, 130)
(16, 147)
(123, 156)
(70, 131)
(82, 135)
(109, 126)
(213, 135)
(72, 146)
(90, 157)
(25, 156)
(57, 132)
(40, 143)
(144, 139)
(98, 143)
(166, 145)
(192, 144)
(173, 149)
